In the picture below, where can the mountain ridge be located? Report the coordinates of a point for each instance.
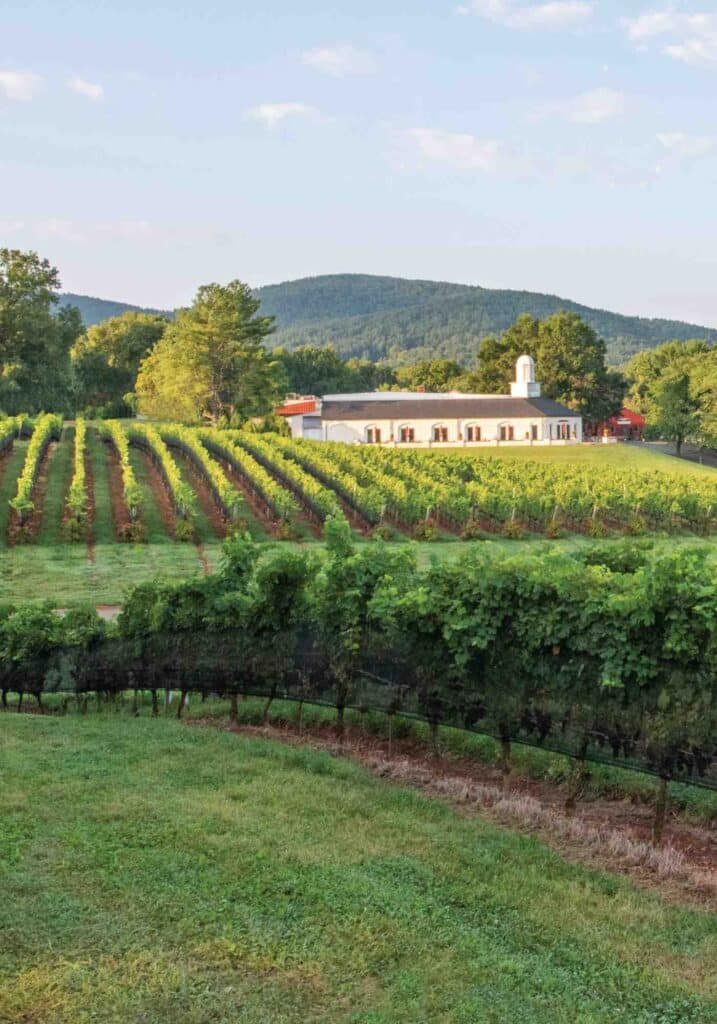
(403, 320)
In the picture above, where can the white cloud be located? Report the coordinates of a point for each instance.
(92, 90)
(458, 149)
(593, 107)
(340, 61)
(19, 85)
(691, 38)
(687, 146)
(558, 14)
(272, 114)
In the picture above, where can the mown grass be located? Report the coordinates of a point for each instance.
(156, 531)
(614, 456)
(601, 780)
(103, 529)
(59, 472)
(156, 872)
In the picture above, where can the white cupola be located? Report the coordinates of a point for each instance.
(525, 384)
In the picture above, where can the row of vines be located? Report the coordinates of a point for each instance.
(417, 492)
(609, 656)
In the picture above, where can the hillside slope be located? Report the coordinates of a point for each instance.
(402, 321)
(92, 310)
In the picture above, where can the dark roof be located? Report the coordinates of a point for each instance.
(443, 408)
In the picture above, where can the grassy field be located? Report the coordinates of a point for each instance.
(71, 573)
(156, 872)
(613, 455)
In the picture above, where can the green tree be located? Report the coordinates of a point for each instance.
(645, 371)
(34, 342)
(675, 412)
(314, 370)
(569, 359)
(107, 357)
(431, 374)
(211, 362)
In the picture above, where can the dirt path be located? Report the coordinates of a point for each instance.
(205, 497)
(27, 532)
(120, 512)
(605, 834)
(257, 505)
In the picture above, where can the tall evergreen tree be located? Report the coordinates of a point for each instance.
(212, 362)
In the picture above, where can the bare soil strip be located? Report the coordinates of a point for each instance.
(204, 495)
(257, 505)
(605, 834)
(120, 512)
(18, 533)
(159, 492)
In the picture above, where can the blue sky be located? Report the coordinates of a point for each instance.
(566, 146)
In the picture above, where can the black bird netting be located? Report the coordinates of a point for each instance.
(298, 668)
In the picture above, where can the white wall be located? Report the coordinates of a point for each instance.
(354, 431)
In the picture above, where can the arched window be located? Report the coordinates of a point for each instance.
(506, 432)
(406, 433)
(440, 432)
(373, 435)
(472, 432)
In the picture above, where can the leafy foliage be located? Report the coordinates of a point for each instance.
(221, 486)
(47, 429)
(280, 501)
(114, 432)
(614, 663)
(77, 494)
(34, 341)
(106, 359)
(182, 495)
(211, 362)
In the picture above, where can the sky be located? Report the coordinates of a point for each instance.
(564, 146)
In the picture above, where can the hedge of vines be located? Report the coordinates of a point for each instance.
(187, 441)
(277, 499)
(181, 494)
(113, 432)
(47, 429)
(610, 655)
(318, 500)
(466, 492)
(76, 502)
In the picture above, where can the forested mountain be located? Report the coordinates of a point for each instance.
(94, 310)
(404, 321)
(401, 321)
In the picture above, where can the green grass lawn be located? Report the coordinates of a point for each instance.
(615, 456)
(156, 872)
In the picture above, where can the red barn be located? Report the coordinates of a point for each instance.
(626, 426)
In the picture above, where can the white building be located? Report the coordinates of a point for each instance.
(424, 419)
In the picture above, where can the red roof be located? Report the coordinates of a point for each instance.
(297, 408)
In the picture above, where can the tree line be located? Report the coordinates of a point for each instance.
(215, 362)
